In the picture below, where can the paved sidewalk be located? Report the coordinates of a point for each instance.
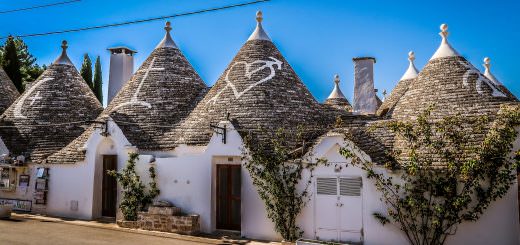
(35, 229)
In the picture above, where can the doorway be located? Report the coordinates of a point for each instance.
(228, 197)
(109, 190)
(339, 209)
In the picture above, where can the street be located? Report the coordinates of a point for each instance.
(29, 231)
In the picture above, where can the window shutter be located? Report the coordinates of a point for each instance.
(350, 186)
(327, 186)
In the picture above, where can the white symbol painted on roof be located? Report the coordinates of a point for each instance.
(18, 106)
(134, 100)
(35, 98)
(496, 91)
(248, 73)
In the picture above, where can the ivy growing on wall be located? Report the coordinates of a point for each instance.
(276, 170)
(442, 178)
(135, 197)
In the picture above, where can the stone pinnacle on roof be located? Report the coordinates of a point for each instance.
(445, 49)
(336, 92)
(167, 41)
(259, 33)
(63, 59)
(412, 71)
(488, 74)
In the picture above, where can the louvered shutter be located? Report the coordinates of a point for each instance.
(327, 186)
(350, 186)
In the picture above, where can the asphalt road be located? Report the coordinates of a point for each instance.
(28, 231)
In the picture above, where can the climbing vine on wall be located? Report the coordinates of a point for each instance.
(441, 179)
(276, 169)
(135, 196)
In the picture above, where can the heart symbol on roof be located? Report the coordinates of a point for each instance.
(249, 71)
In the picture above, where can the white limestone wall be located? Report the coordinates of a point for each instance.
(498, 225)
(82, 181)
(374, 232)
(186, 177)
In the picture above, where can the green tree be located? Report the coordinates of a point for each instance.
(11, 63)
(134, 195)
(86, 71)
(442, 180)
(29, 70)
(276, 170)
(98, 80)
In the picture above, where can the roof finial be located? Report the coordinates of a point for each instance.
(488, 74)
(444, 32)
(63, 59)
(64, 45)
(487, 63)
(411, 56)
(167, 41)
(336, 92)
(259, 16)
(259, 33)
(168, 26)
(412, 71)
(445, 49)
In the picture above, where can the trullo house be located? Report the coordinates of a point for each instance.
(194, 136)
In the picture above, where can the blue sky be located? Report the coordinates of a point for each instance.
(318, 38)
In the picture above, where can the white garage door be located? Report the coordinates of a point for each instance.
(338, 204)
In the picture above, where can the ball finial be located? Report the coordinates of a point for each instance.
(411, 56)
(259, 16)
(336, 79)
(64, 44)
(444, 31)
(168, 26)
(487, 60)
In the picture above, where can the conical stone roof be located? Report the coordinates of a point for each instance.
(259, 90)
(388, 105)
(452, 85)
(51, 112)
(8, 92)
(162, 92)
(337, 99)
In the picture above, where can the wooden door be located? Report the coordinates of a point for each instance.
(228, 197)
(109, 193)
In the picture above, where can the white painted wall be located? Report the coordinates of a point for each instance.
(186, 177)
(499, 224)
(82, 181)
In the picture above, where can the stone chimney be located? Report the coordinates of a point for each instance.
(365, 101)
(121, 69)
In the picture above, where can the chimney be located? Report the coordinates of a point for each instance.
(121, 69)
(365, 101)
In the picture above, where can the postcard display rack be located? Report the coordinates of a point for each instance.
(41, 186)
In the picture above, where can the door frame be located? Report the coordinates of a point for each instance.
(338, 222)
(225, 160)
